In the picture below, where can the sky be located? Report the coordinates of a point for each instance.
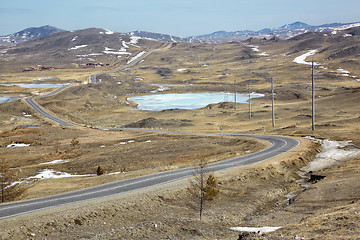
(181, 18)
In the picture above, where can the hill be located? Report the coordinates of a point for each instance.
(285, 32)
(28, 34)
(252, 197)
(77, 48)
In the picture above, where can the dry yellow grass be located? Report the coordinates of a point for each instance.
(256, 190)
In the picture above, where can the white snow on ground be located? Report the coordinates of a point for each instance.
(114, 173)
(109, 49)
(18, 145)
(334, 32)
(347, 35)
(347, 26)
(301, 59)
(345, 73)
(90, 54)
(108, 32)
(49, 173)
(124, 44)
(55, 162)
(255, 229)
(13, 184)
(256, 49)
(123, 143)
(332, 153)
(74, 39)
(342, 70)
(77, 47)
(160, 89)
(136, 57)
(172, 39)
(182, 69)
(117, 53)
(134, 39)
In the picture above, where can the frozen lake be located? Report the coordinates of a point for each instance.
(159, 102)
(36, 85)
(6, 99)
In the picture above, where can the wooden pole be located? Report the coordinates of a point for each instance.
(235, 95)
(249, 102)
(272, 100)
(313, 96)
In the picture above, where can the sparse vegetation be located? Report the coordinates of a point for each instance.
(6, 179)
(74, 143)
(211, 189)
(99, 171)
(202, 187)
(240, 197)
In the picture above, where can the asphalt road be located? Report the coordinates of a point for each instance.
(39, 110)
(279, 145)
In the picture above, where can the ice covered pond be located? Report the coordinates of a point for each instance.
(6, 99)
(36, 85)
(159, 102)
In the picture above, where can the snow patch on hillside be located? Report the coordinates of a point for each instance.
(77, 47)
(124, 44)
(108, 32)
(117, 53)
(18, 145)
(256, 49)
(134, 39)
(332, 153)
(255, 229)
(136, 57)
(49, 173)
(55, 162)
(301, 59)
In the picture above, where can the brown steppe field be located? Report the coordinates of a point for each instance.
(251, 196)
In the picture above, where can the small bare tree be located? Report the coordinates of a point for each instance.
(202, 187)
(5, 177)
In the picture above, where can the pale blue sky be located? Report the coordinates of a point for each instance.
(176, 17)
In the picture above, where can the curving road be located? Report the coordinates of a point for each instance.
(279, 146)
(39, 110)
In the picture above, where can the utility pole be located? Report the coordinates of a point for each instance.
(210, 72)
(235, 95)
(272, 100)
(313, 95)
(226, 84)
(249, 102)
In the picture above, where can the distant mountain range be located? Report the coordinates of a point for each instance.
(28, 34)
(285, 32)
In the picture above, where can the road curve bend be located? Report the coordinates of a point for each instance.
(279, 145)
